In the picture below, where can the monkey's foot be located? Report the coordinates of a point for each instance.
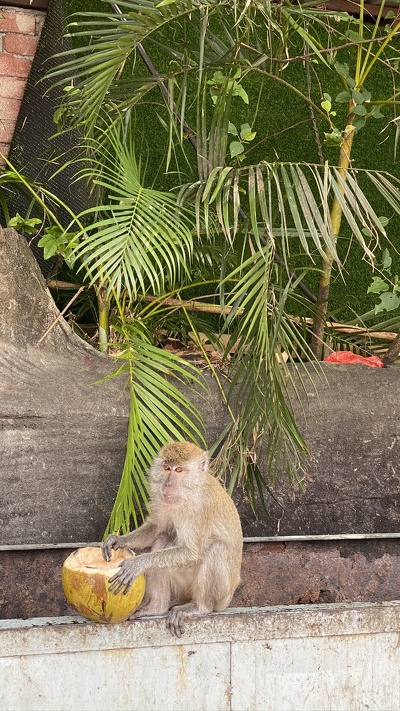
(178, 614)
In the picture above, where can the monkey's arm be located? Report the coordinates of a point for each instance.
(174, 557)
(143, 537)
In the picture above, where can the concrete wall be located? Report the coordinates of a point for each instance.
(302, 658)
(20, 30)
(273, 572)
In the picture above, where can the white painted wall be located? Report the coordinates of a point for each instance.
(300, 658)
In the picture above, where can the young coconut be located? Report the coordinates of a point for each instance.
(85, 581)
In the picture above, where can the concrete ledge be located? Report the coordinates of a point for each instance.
(334, 656)
(55, 635)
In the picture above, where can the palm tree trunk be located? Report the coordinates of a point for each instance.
(317, 341)
(104, 313)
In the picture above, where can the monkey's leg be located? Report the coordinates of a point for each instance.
(157, 599)
(212, 589)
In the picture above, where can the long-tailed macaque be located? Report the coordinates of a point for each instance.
(195, 537)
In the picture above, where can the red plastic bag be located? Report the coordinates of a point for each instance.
(350, 358)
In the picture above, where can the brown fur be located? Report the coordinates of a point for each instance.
(179, 453)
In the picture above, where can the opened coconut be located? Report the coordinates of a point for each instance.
(85, 581)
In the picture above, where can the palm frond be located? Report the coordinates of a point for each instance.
(159, 412)
(139, 237)
(262, 383)
(110, 40)
(302, 193)
(93, 73)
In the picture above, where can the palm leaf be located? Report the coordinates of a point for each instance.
(261, 384)
(131, 246)
(110, 41)
(159, 412)
(94, 70)
(302, 193)
(139, 238)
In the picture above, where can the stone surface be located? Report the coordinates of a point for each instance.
(352, 426)
(298, 573)
(27, 308)
(63, 438)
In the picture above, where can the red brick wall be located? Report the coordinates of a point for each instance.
(19, 34)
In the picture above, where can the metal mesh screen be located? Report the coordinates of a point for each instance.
(33, 147)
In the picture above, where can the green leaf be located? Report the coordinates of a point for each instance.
(217, 78)
(236, 148)
(327, 103)
(342, 69)
(376, 112)
(140, 238)
(343, 98)
(388, 302)
(22, 224)
(238, 90)
(49, 246)
(354, 36)
(163, 3)
(378, 286)
(334, 138)
(248, 137)
(366, 94)
(386, 258)
(359, 123)
(153, 377)
(357, 97)
(359, 110)
(259, 381)
(245, 129)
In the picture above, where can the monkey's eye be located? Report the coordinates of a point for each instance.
(169, 468)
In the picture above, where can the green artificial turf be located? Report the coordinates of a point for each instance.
(285, 131)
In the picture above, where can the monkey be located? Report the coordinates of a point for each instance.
(194, 536)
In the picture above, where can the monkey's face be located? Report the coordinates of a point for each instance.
(173, 484)
(170, 483)
(178, 470)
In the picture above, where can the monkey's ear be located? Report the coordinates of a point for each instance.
(204, 461)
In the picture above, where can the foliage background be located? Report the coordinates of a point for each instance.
(284, 124)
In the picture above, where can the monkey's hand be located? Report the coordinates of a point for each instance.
(127, 573)
(111, 543)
